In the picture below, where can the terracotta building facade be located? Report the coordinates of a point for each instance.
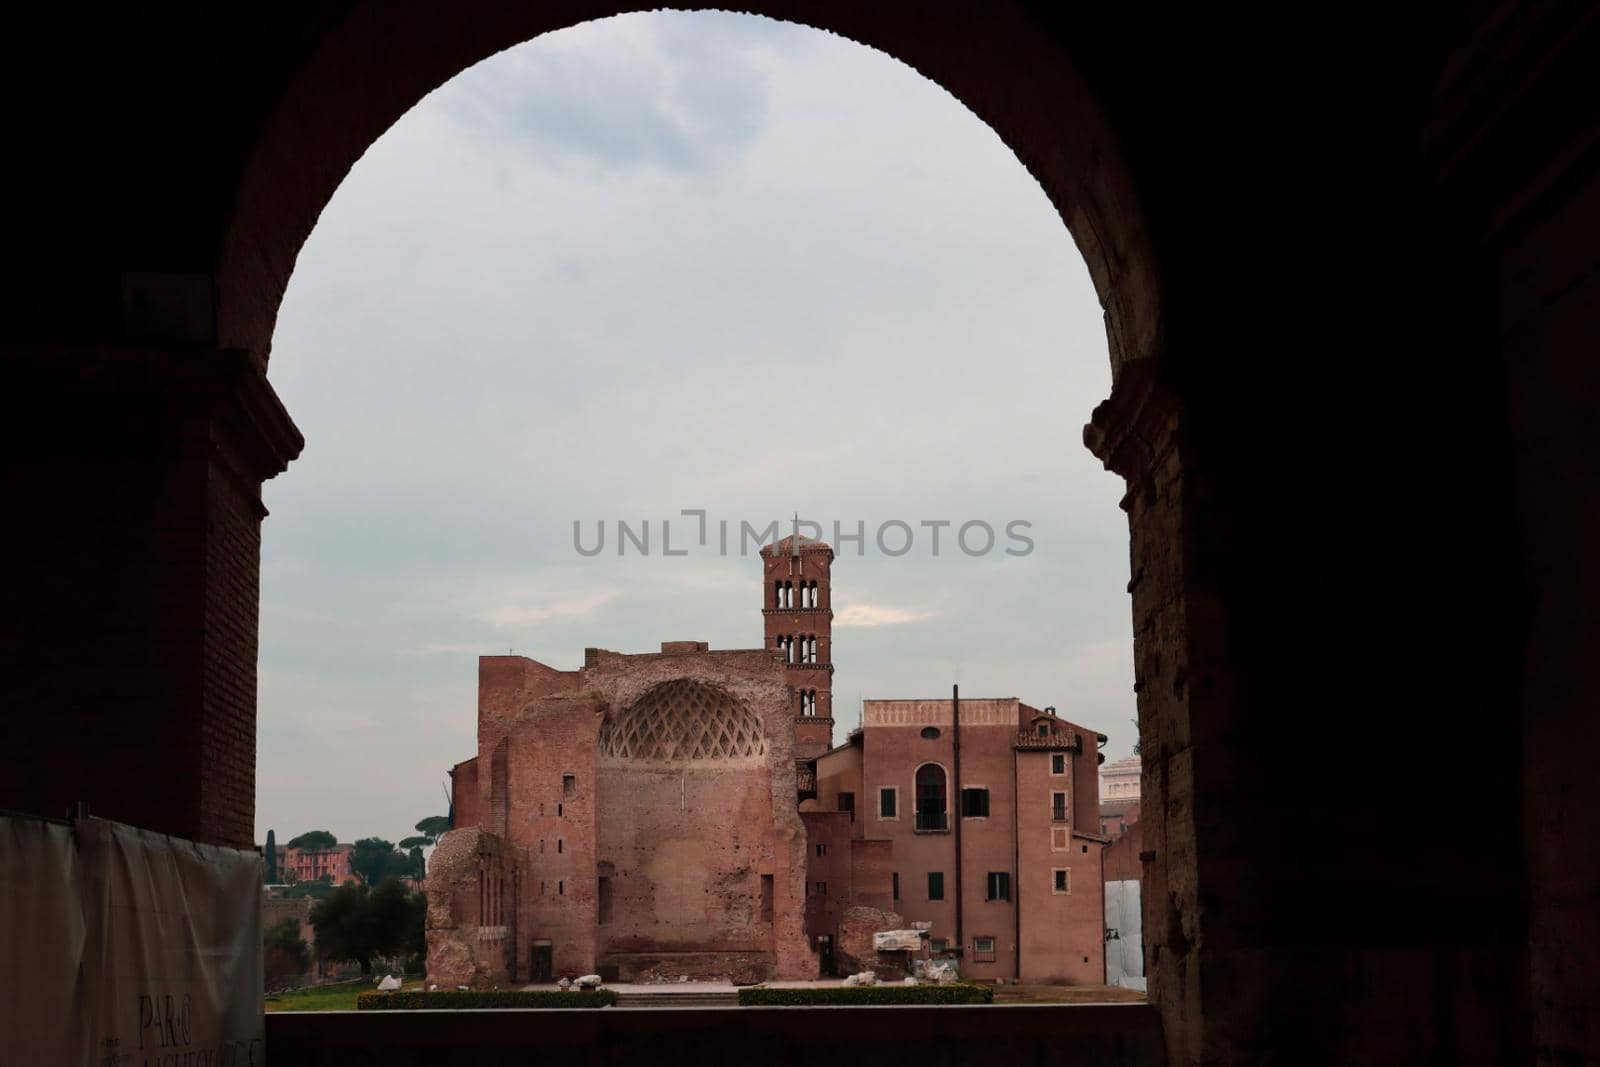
(683, 813)
(984, 812)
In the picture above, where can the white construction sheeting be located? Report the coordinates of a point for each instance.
(121, 946)
(897, 941)
(1124, 936)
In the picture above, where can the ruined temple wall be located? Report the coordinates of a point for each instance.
(686, 845)
(553, 804)
(686, 850)
(472, 914)
(507, 685)
(829, 871)
(465, 803)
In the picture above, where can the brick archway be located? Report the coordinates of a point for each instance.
(1349, 294)
(380, 61)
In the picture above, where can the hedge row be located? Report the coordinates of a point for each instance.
(956, 993)
(466, 1000)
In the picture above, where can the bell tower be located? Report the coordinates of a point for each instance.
(797, 617)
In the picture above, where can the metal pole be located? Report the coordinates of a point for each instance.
(955, 714)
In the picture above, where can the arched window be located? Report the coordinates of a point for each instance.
(811, 650)
(932, 802)
(816, 596)
(777, 594)
(788, 594)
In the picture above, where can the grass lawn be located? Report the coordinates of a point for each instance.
(340, 996)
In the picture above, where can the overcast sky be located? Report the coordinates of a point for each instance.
(666, 262)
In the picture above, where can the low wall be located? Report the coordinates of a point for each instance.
(1065, 1035)
(741, 968)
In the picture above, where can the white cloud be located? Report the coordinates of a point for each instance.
(877, 615)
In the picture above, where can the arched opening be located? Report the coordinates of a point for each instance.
(797, 649)
(1326, 185)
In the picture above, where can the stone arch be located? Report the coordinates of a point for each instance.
(376, 61)
(380, 60)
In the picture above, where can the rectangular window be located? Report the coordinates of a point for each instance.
(1058, 807)
(604, 900)
(999, 885)
(896, 884)
(1058, 763)
(1059, 841)
(561, 889)
(766, 898)
(935, 885)
(822, 850)
(975, 803)
(1062, 885)
(888, 804)
(822, 889)
(941, 944)
(983, 949)
(569, 784)
(847, 802)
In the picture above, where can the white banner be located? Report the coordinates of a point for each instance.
(119, 946)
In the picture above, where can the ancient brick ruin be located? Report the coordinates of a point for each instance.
(682, 814)
(635, 816)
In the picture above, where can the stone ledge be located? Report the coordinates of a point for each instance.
(1103, 1035)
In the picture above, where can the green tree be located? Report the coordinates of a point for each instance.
(418, 865)
(416, 944)
(314, 839)
(317, 888)
(1137, 740)
(343, 923)
(433, 827)
(269, 872)
(357, 923)
(374, 859)
(284, 952)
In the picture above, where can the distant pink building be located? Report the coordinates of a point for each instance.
(311, 864)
